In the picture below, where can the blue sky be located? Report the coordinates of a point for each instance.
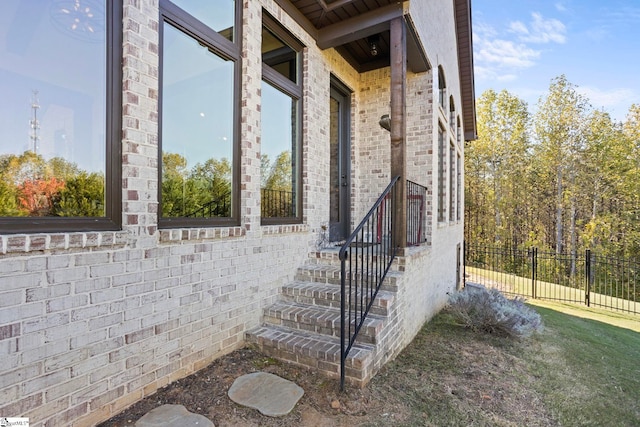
(521, 45)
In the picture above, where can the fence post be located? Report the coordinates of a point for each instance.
(534, 271)
(587, 263)
(464, 263)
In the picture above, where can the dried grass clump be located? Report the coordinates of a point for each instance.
(489, 311)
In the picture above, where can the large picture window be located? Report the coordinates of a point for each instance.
(60, 98)
(199, 96)
(281, 112)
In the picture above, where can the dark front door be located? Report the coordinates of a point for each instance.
(340, 170)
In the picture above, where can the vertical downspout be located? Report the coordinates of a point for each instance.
(398, 127)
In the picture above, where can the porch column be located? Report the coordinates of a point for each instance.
(398, 128)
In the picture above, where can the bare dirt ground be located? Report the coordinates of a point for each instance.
(447, 376)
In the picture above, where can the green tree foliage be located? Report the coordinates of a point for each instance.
(212, 183)
(280, 173)
(33, 186)
(567, 180)
(203, 191)
(82, 196)
(495, 196)
(559, 128)
(277, 195)
(174, 185)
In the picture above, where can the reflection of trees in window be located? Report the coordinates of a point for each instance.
(276, 194)
(31, 186)
(204, 191)
(198, 143)
(60, 139)
(281, 119)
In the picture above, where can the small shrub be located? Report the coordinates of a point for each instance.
(488, 310)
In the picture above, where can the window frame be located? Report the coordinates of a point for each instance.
(452, 114)
(295, 90)
(442, 173)
(442, 88)
(219, 45)
(452, 181)
(112, 221)
(458, 186)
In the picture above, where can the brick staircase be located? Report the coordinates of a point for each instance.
(304, 326)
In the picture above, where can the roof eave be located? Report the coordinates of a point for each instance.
(464, 36)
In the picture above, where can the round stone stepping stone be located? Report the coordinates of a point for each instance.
(171, 416)
(271, 395)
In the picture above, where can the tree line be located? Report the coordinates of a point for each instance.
(35, 187)
(565, 178)
(205, 189)
(32, 186)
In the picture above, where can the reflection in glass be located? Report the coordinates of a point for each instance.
(279, 152)
(442, 156)
(452, 180)
(197, 129)
(216, 14)
(279, 56)
(52, 109)
(334, 164)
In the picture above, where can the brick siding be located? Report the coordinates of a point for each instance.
(92, 322)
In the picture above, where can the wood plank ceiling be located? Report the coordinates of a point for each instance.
(326, 16)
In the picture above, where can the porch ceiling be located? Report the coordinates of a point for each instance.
(346, 25)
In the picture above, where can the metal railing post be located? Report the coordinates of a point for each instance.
(343, 296)
(464, 263)
(589, 278)
(534, 271)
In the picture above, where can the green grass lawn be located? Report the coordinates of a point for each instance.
(589, 365)
(582, 370)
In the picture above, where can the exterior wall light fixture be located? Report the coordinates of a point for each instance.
(374, 44)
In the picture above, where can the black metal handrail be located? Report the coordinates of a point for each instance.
(365, 259)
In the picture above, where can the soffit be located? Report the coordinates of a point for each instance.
(346, 25)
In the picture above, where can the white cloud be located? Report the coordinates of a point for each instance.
(540, 30)
(607, 98)
(597, 34)
(616, 102)
(492, 74)
(484, 30)
(560, 7)
(497, 59)
(518, 28)
(505, 53)
(624, 15)
(499, 56)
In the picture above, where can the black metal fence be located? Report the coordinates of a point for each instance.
(277, 203)
(587, 278)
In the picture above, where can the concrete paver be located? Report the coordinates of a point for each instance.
(271, 395)
(171, 416)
